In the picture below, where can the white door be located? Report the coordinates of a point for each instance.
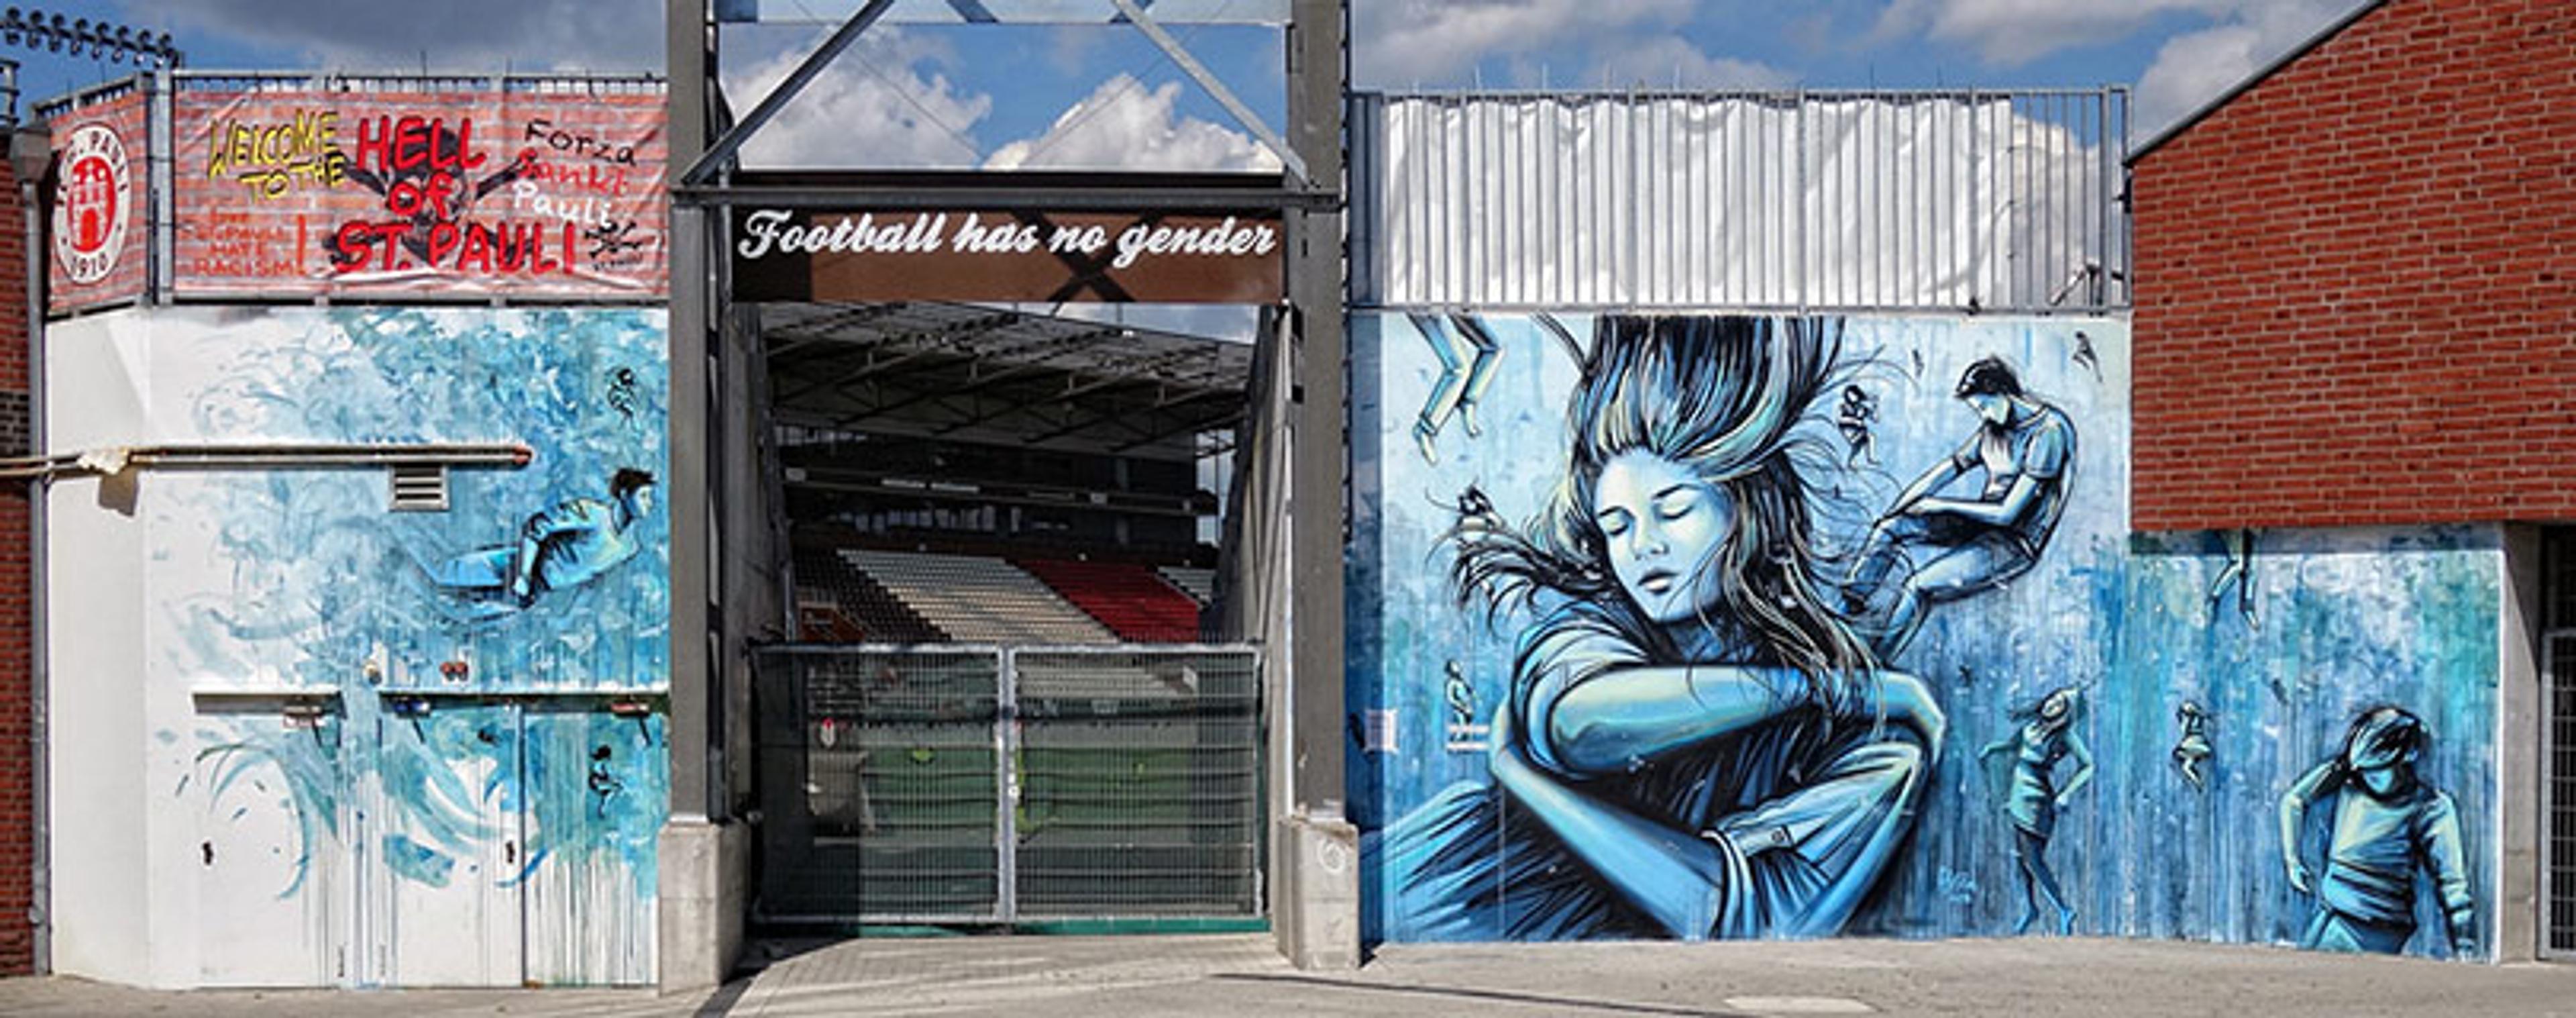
(443, 849)
(270, 798)
(598, 787)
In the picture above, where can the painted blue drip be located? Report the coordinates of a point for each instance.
(416, 862)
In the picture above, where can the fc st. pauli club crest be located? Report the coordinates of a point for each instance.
(92, 203)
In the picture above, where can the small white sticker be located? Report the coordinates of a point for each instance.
(1377, 731)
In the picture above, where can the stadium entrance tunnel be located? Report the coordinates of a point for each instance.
(999, 684)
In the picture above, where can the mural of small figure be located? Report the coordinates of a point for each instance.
(2026, 449)
(1465, 733)
(1467, 354)
(2389, 826)
(2237, 577)
(2085, 355)
(1694, 744)
(625, 393)
(604, 783)
(2193, 748)
(566, 546)
(2047, 735)
(1859, 411)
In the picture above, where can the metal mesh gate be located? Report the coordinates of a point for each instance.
(2560, 664)
(979, 784)
(2558, 762)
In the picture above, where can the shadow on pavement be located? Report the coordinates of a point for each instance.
(1450, 992)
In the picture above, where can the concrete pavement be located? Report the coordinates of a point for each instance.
(1081, 977)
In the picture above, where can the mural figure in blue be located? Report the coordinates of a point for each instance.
(2193, 749)
(563, 547)
(1859, 411)
(1695, 744)
(2026, 449)
(2389, 826)
(1467, 353)
(2238, 578)
(2047, 735)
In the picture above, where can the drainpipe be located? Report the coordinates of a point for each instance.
(30, 153)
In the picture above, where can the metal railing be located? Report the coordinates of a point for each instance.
(980, 784)
(1962, 200)
(640, 83)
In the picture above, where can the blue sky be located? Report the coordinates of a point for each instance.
(1098, 96)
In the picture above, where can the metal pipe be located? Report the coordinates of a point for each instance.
(317, 456)
(40, 890)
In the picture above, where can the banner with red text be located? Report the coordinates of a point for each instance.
(99, 228)
(498, 193)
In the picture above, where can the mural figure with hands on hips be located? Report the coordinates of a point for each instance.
(1694, 743)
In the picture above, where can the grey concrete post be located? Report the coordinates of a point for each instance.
(701, 859)
(1317, 911)
(2518, 748)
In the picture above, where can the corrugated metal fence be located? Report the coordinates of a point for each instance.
(1869, 200)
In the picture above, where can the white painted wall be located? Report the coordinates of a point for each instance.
(96, 713)
(201, 839)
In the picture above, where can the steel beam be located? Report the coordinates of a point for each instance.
(1216, 89)
(1003, 12)
(1141, 197)
(693, 625)
(717, 154)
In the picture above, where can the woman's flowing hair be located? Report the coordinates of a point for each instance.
(1735, 401)
(2036, 710)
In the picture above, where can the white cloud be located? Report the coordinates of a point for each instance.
(1668, 61)
(880, 105)
(2238, 38)
(2008, 33)
(1400, 43)
(2193, 69)
(1124, 125)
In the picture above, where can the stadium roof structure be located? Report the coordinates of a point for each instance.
(973, 373)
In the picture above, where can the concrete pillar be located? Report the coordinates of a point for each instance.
(705, 896)
(2519, 790)
(701, 860)
(1315, 907)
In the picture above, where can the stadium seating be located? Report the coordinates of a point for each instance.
(1199, 584)
(1130, 599)
(878, 617)
(978, 600)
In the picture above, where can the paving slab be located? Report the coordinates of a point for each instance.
(1119, 977)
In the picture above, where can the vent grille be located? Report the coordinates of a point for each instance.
(420, 488)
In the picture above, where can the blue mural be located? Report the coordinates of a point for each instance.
(1730, 626)
(489, 673)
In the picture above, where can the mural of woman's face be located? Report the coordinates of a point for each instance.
(1663, 525)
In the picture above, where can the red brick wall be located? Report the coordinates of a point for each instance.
(17, 596)
(2356, 283)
